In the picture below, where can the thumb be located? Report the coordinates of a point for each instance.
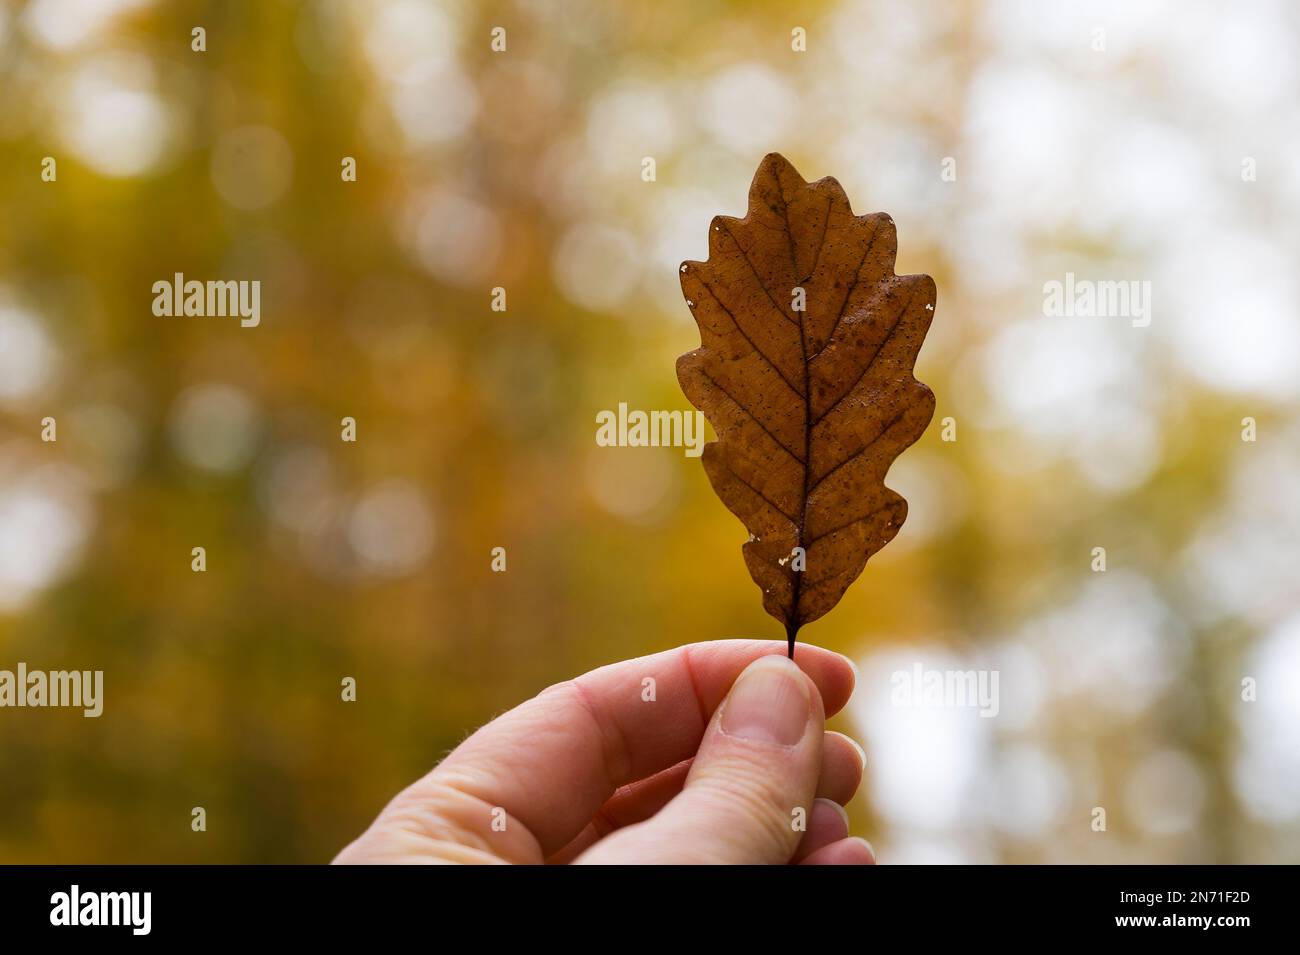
(751, 785)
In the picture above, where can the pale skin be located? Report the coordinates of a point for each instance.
(717, 768)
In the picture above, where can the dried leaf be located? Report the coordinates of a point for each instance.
(811, 405)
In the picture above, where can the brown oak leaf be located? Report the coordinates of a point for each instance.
(807, 344)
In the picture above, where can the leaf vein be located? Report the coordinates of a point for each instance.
(861, 451)
(857, 275)
(767, 500)
(750, 415)
(898, 322)
(846, 526)
(759, 279)
(758, 351)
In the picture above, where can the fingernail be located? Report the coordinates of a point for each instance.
(869, 848)
(768, 704)
(862, 753)
(837, 808)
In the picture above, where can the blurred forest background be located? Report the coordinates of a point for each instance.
(1119, 154)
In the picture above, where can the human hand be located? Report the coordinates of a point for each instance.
(612, 768)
